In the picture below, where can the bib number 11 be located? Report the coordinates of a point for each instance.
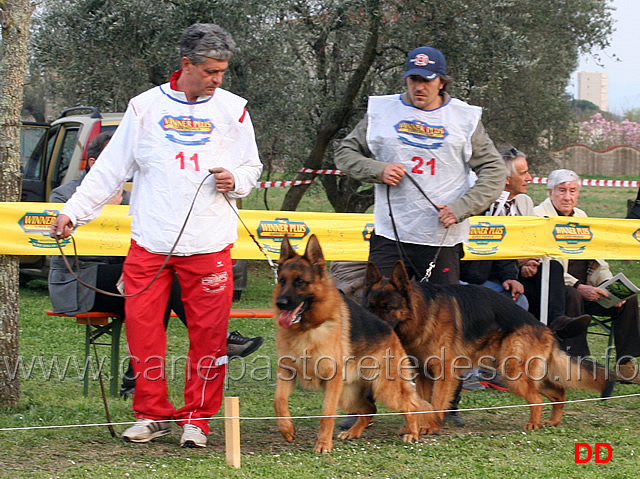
(421, 164)
(194, 159)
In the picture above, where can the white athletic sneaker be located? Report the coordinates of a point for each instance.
(192, 436)
(145, 429)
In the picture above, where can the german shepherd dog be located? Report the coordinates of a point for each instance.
(451, 328)
(327, 341)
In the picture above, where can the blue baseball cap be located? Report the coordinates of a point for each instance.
(427, 62)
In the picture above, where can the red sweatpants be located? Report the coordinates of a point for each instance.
(207, 292)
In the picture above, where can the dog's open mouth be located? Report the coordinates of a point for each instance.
(289, 318)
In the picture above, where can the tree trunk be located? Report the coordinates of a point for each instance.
(15, 16)
(339, 117)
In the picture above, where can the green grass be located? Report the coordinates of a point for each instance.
(492, 444)
(315, 199)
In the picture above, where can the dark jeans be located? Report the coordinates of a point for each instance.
(108, 275)
(384, 254)
(626, 330)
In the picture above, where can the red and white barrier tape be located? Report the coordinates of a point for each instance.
(321, 172)
(275, 184)
(539, 180)
(536, 180)
(586, 182)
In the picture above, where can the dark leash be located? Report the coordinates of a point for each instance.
(162, 266)
(76, 275)
(401, 253)
(212, 171)
(272, 265)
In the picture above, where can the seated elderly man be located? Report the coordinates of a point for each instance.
(582, 278)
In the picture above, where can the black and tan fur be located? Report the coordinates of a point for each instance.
(475, 322)
(315, 321)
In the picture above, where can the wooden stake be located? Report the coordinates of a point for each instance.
(232, 430)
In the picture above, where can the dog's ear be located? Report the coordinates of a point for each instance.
(286, 250)
(314, 254)
(400, 278)
(373, 275)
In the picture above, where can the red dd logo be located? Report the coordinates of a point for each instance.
(590, 452)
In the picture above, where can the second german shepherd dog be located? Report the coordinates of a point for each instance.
(327, 341)
(452, 328)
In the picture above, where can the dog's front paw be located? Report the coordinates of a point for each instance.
(286, 429)
(410, 437)
(323, 447)
(530, 426)
(349, 434)
(430, 425)
(550, 422)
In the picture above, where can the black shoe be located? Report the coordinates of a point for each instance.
(492, 379)
(128, 386)
(472, 383)
(454, 418)
(566, 327)
(241, 346)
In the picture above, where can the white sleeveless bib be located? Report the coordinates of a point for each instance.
(435, 147)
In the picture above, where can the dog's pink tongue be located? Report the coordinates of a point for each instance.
(286, 318)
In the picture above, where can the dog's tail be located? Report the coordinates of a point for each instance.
(580, 373)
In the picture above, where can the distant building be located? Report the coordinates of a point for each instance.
(593, 87)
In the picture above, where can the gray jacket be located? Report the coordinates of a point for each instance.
(355, 159)
(67, 295)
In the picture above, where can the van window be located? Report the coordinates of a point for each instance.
(33, 167)
(111, 128)
(65, 153)
(32, 139)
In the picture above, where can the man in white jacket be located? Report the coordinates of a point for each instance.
(169, 139)
(583, 278)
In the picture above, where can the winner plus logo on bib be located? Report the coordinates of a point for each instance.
(420, 134)
(186, 130)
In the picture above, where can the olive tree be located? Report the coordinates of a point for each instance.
(14, 28)
(308, 67)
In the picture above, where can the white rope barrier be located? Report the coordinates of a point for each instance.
(265, 418)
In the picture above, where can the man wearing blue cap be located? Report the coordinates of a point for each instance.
(437, 141)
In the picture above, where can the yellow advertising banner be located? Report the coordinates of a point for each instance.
(24, 230)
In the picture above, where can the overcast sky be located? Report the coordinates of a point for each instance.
(623, 75)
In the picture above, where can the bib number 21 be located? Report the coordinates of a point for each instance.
(423, 167)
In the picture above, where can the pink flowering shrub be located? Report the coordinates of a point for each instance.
(600, 133)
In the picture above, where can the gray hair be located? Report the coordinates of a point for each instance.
(206, 40)
(509, 154)
(557, 177)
